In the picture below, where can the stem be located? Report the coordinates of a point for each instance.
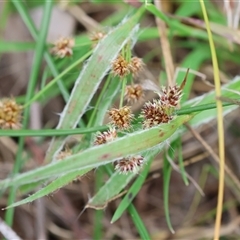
(124, 83)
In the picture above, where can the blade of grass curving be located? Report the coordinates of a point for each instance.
(91, 76)
(138, 223)
(30, 92)
(180, 161)
(132, 192)
(99, 155)
(167, 169)
(21, 8)
(220, 123)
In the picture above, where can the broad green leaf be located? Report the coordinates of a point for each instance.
(99, 155)
(91, 76)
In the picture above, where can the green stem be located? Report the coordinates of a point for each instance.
(124, 83)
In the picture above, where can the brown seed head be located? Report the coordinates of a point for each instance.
(120, 67)
(136, 65)
(105, 137)
(10, 114)
(133, 92)
(154, 113)
(121, 118)
(129, 164)
(171, 96)
(63, 47)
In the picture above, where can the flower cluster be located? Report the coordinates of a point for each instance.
(171, 96)
(105, 137)
(155, 113)
(161, 110)
(10, 114)
(121, 67)
(133, 93)
(63, 47)
(129, 164)
(121, 118)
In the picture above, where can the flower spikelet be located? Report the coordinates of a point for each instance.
(155, 113)
(10, 114)
(133, 93)
(63, 47)
(129, 164)
(120, 67)
(121, 118)
(136, 65)
(171, 96)
(105, 137)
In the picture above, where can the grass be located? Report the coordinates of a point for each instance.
(89, 89)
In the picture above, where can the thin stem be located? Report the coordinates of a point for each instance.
(220, 124)
(124, 83)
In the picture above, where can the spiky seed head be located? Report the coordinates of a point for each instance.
(120, 67)
(64, 154)
(105, 137)
(129, 164)
(121, 118)
(10, 114)
(63, 47)
(134, 93)
(171, 96)
(154, 113)
(136, 65)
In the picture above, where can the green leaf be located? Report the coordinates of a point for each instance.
(167, 169)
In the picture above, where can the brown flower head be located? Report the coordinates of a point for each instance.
(65, 153)
(155, 113)
(171, 96)
(121, 118)
(10, 114)
(136, 65)
(120, 67)
(133, 93)
(129, 164)
(105, 137)
(63, 47)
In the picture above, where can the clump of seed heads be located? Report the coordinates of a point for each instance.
(10, 114)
